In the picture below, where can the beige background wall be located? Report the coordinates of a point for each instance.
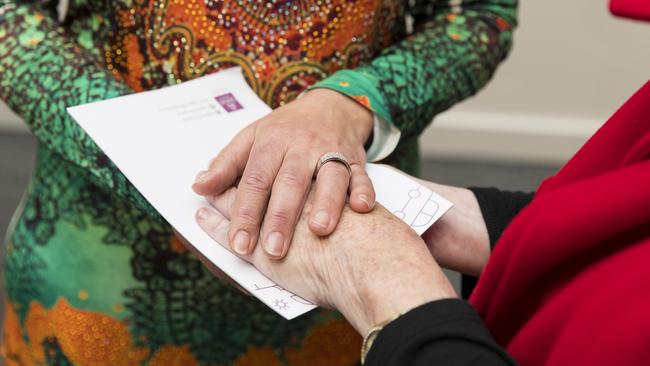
(572, 65)
(8, 120)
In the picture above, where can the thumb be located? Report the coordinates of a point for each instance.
(225, 169)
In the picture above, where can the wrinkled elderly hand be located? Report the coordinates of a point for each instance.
(371, 268)
(274, 160)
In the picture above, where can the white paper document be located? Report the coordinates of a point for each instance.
(161, 139)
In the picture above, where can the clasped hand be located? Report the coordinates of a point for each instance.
(373, 266)
(360, 269)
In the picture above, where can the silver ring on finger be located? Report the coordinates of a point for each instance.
(333, 157)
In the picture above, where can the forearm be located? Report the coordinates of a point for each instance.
(41, 73)
(449, 58)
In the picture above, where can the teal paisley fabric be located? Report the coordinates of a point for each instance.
(93, 274)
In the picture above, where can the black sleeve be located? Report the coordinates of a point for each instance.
(498, 209)
(445, 332)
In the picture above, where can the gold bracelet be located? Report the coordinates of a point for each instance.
(370, 337)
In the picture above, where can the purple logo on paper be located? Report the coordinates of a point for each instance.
(228, 102)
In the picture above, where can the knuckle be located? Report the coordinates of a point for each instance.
(256, 182)
(280, 218)
(247, 216)
(293, 180)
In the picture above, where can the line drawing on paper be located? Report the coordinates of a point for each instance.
(280, 304)
(425, 214)
(273, 285)
(300, 300)
(293, 296)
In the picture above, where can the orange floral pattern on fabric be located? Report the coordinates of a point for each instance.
(37, 326)
(333, 343)
(176, 245)
(173, 356)
(79, 197)
(86, 338)
(283, 48)
(258, 356)
(15, 350)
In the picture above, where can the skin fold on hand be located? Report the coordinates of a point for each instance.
(272, 162)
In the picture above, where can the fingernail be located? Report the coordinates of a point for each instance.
(363, 198)
(322, 219)
(274, 244)
(203, 214)
(240, 242)
(200, 178)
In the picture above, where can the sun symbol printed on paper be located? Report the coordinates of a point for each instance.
(280, 304)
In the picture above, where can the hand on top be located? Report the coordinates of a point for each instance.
(273, 161)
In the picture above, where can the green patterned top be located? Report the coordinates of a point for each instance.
(93, 274)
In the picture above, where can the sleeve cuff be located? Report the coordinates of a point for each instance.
(385, 138)
(437, 320)
(361, 87)
(499, 208)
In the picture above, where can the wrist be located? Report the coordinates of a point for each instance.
(416, 287)
(385, 287)
(351, 113)
(459, 240)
